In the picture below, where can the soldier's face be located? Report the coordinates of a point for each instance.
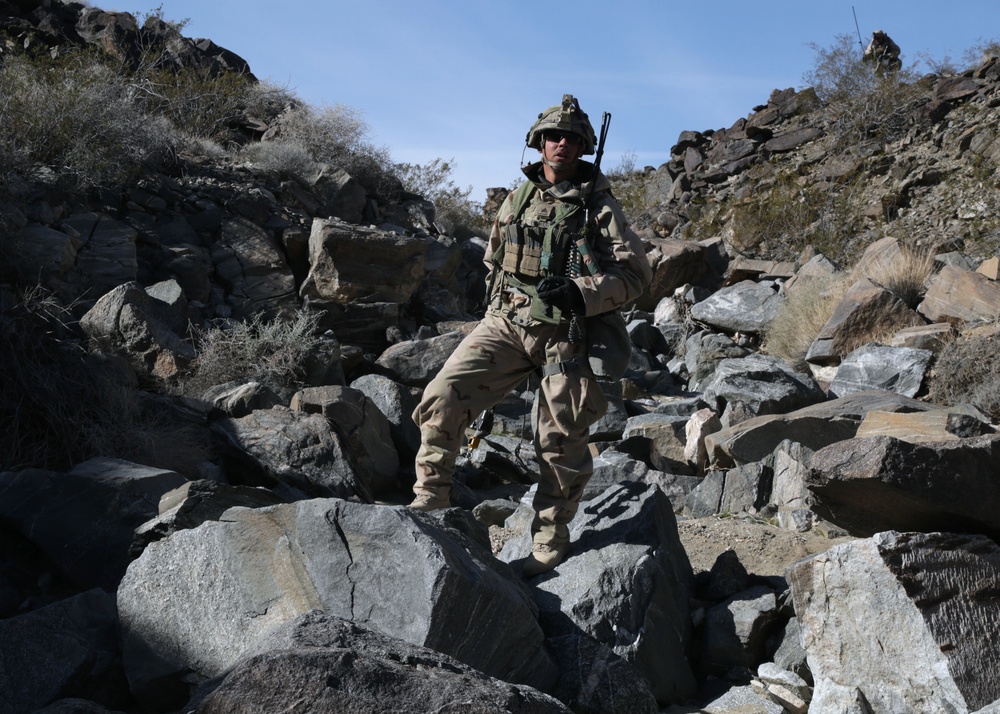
(563, 148)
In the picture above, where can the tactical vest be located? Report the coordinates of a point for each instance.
(546, 241)
(538, 244)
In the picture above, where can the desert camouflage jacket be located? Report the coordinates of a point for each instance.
(624, 270)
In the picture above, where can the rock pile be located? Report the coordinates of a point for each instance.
(282, 569)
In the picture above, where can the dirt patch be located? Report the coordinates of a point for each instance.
(763, 549)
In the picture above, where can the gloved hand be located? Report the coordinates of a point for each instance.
(561, 292)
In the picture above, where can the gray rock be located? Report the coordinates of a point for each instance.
(626, 582)
(195, 502)
(253, 269)
(67, 649)
(83, 520)
(934, 646)
(736, 631)
(703, 351)
(594, 680)
(360, 423)
(667, 440)
(613, 467)
(415, 362)
(349, 263)
(291, 452)
(237, 399)
(125, 322)
(767, 385)
(319, 663)
(397, 404)
(893, 369)
(814, 426)
(387, 568)
(746, 306)
(744, 489)
(881, 483)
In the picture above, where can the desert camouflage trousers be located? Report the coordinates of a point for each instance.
(495, 358)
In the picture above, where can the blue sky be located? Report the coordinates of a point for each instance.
(463, 80)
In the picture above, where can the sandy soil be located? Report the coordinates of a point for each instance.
(763, 549)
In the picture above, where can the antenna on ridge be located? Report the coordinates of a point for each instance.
(861, 42)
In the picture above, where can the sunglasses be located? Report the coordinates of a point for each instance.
(556, 136)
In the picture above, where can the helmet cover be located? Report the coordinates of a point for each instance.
(565, 117)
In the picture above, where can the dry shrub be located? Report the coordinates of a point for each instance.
(61, 406)
(281, 157)
(78, 118)
(967, 371)
(338, 135)
(906, 277)
(272, 352)
(803, 314)
(865, 105)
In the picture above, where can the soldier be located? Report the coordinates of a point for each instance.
(534, 323)
(883, 52)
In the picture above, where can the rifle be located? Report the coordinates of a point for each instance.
(581, 244)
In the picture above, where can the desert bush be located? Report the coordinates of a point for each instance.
(866, 105)
(625, 167)
(270, 351)
(61, 406)
(967, 371)
(459, 214)
(76, 117)
(196, 100)
(280, 157)
(905, 277)
(802, 315)
(980, 51)
(338, 135)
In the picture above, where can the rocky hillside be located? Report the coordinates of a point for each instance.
(209, 371)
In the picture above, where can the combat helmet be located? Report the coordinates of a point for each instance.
(565, 117)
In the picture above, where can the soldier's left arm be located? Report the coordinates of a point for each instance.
(625, 270)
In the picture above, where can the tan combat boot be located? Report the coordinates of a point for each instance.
(427, 502)
(549, 546)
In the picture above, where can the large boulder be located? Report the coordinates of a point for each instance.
(126, 321)
(319, 663)
(867, 485)
(626, 583)
(83, 520)
(814, 426)
(901, 622)
(360, 423)
(763, 384)
(67, 649)
(293, 453)
(350, 263)
(252, 266)
(747, 306)
(892, 369)
(386, 568)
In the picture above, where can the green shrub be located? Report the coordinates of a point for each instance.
(272, 352)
